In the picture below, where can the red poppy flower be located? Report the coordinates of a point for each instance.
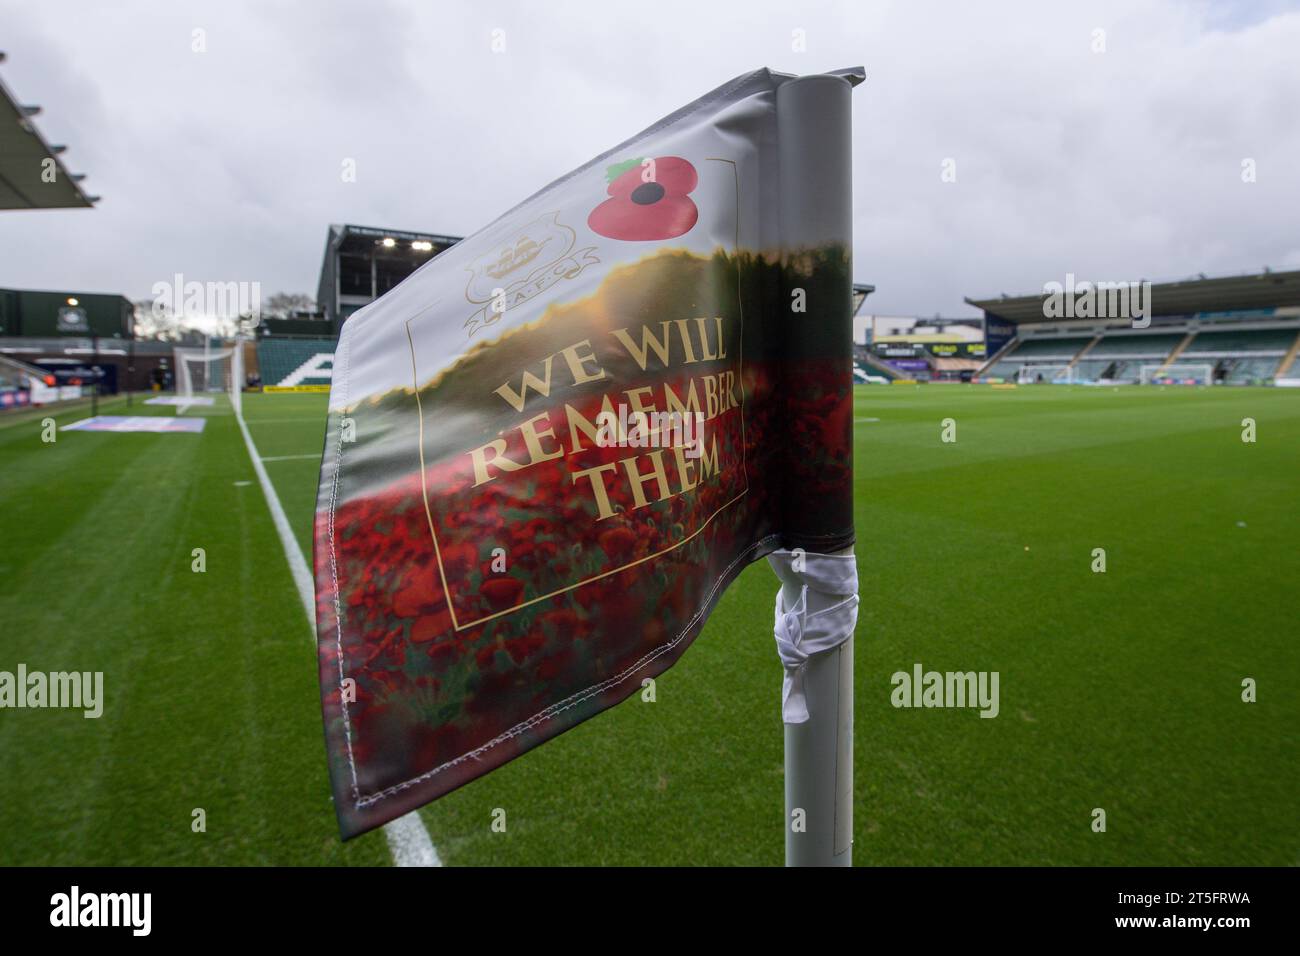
(564, 622)
(416, 593)
(502, 591)
(430, 626)
(458, 560)
(618, 543)
(646, 209)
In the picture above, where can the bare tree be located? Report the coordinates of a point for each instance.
(281, 305)
(156, 322)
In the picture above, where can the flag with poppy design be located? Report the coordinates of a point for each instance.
(551, 448)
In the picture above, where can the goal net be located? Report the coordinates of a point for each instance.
(1179, 373)
(203, 373)
(1047, 374)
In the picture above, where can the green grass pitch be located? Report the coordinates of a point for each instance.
(1119, 691)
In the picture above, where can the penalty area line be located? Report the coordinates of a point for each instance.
(408, 840)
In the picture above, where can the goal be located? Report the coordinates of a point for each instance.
(202, 372)
(1179, 373)
(1047, 374)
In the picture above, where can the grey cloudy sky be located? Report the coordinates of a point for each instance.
(226, 164)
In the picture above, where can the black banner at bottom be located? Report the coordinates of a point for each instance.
(211, 905)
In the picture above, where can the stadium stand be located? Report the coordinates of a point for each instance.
(1001, 370)
(16, 379)
(1241, 357)
(1118, 356)
(1050, 349)
(1135, 345)
(1090, 370)
(866, 366)
(1253, 342)
(951, 369)
(1246, 329)
(302, 364)
(1290, 366)
(1245, 371)
(1054, 350)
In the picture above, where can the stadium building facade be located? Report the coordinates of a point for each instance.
(68, 340)
(911, 348)
(361, 263)
(33, 313)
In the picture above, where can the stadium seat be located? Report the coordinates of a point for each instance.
(1133, 344)
(1256, 340)
(1066, 348)
(280, 358)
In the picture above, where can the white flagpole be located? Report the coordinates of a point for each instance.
(237, 375)
(819, 752)
(817, 608)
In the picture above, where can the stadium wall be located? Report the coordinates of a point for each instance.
(127, 364)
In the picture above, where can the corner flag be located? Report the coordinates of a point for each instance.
(552, 448)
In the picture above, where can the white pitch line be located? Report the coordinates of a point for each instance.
(408, 840)
(291, 457)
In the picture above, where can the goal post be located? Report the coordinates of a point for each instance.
(1178, 373)
(237, 378)
(202, 373)
(1054, 374)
